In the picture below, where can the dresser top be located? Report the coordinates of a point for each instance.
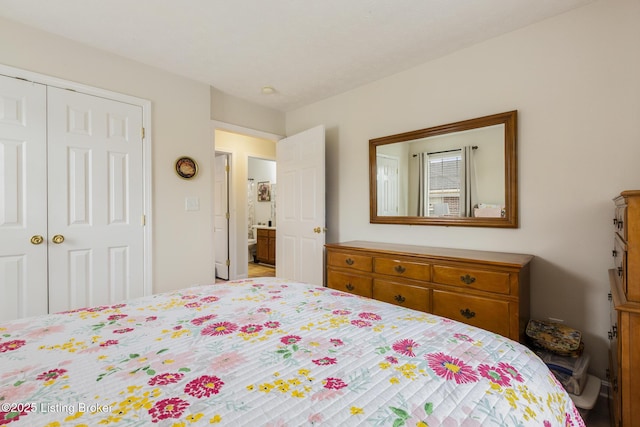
(501, 258)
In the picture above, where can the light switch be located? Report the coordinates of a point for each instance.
(191, 204)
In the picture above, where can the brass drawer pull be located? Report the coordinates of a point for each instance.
(399, 298)
(614, 253)
(350, 287)
(349, 261)
(468, 279)
(400, 269)
(468, 313)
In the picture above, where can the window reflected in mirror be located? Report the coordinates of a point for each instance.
(457, 174)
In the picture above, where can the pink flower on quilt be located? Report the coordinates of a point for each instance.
(405, 347)
(272, 324)
(198, 321)
(264, 310)
(192, 305)
(391, 359)
(43, 332)
(204, 386)
(334, 383)
(96, 309)
(116, 317)
(451, 368)
(360, 323)
(7, 417)
(369, 316)
(546, 423)
(189, 296)
(227, 361)
(210, 298)
(495, 375)
(11, 345)
(251, 329)
(341, 312)
(151, 318)
(107, 343)
(290, 339)
(122, 331)
(220, 328)
(118, 306)
(166, 378)
(336, 342)
(325, 361)
(511, 371)
(168, 408)
(51, 375)
(463, 337)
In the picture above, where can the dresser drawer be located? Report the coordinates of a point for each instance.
(620, 261)
(351, 261)
(403, 295)
(490, 281)
(402, 268)
(352, 283)
(620, 219)
(489, 314)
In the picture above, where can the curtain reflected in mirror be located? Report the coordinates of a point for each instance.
(464, 172)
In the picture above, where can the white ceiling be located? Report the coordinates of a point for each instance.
(307, 50)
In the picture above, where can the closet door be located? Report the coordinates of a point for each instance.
(23, 199)
(95, 188)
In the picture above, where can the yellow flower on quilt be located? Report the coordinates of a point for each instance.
(216, 419)
(194, 418)
(356, 411)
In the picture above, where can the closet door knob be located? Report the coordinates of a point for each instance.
(57, 239)
(37, 239)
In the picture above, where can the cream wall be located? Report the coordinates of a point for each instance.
(575, 80)
(229, 109)
(182, 245)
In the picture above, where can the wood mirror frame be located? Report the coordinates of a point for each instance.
(510, 216)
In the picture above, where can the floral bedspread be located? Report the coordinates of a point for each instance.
(268, 352)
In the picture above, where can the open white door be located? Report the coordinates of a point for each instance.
(300, 210)
(221, 215)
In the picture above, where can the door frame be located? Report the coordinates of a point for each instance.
(147, 141)
(235, 241)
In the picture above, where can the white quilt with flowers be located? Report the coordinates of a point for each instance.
(268, 352)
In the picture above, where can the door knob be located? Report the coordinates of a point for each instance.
(37, 239)
(58, 238)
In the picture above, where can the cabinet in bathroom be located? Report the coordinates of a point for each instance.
(266, 247)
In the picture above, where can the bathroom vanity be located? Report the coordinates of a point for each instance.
(266, 247)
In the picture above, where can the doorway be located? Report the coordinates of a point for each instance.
(261, 216)
(240, 144)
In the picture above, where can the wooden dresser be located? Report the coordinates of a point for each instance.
(624, 349)
(485, 289)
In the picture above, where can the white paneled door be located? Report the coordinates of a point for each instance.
(301, 206)
(80, 188)
(23, 199)
(221, 215)
(95, 192)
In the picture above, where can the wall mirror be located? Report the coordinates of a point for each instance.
(460, 174)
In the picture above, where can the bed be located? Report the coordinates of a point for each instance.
(268, 352)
